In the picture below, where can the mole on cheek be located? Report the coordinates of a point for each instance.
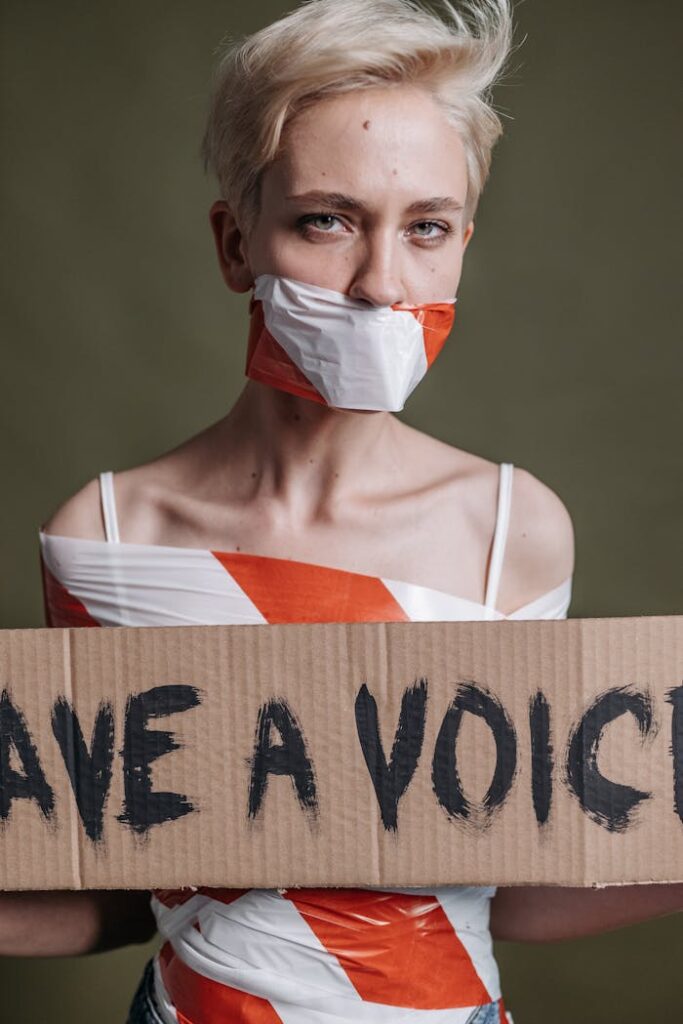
(366, 125)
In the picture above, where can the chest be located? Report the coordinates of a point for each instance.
(432, 541)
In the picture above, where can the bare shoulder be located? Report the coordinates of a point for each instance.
(539, 550)
(144, 495)
(80, 515)
(539, 553)
(539, 516)
(141, 494)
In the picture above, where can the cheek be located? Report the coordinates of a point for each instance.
(440, 278)
(271, 252)
(287, 254)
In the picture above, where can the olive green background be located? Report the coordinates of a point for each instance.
(121, 341)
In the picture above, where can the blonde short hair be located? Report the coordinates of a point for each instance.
(327, 47)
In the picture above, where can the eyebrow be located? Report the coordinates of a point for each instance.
(340, 201)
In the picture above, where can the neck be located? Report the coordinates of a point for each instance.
(306, 457)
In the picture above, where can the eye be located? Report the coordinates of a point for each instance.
(443, 230)
(313, 224)
(306, 225)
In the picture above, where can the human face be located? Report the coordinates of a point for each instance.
(365, 198)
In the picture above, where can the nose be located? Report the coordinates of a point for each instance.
(377, 278)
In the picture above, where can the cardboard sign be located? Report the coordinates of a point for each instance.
(393, 754)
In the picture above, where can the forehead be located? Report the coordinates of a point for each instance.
(376, 144)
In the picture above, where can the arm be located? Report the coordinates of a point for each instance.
(73, 923)
(542, 554)
(553, 913)
(69, 923)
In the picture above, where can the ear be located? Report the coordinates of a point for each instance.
(469, 231)
(230, 248)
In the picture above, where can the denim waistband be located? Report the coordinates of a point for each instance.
(143, 1009)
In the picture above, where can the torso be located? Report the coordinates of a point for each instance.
(434, 528)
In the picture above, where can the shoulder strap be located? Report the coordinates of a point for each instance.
(111, 526)
(500, 533)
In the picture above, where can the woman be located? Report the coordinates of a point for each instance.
(351, 141)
